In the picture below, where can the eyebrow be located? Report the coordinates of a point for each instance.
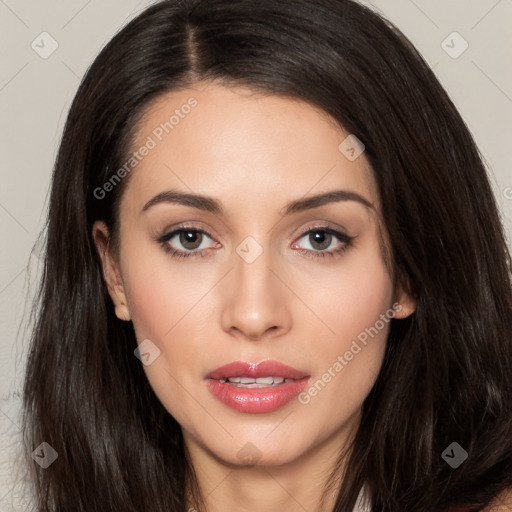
(212, 205)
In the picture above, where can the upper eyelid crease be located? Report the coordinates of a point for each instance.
(214, 206)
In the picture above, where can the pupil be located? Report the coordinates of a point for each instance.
(189, 239)
(320, 237)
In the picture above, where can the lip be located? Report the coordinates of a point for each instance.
(256, 370)
(256, 400)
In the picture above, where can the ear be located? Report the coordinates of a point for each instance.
(405, 302)
(111, 272)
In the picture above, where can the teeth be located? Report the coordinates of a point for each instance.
(265, 380)
(256, 383)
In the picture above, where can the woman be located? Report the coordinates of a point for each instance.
(275, 278)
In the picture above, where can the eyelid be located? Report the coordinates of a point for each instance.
(326, 226)
(323, 225)
(168, 234)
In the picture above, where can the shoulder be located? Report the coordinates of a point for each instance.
(502, 503)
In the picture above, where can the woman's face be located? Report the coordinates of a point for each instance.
(303, 286)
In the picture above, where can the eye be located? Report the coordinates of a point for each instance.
(192, 241)
(321, 238)
(189, 238)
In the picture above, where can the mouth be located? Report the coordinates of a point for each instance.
(249, 373)
(260, 382)
(256, 388)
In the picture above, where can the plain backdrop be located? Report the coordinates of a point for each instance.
(36, 90)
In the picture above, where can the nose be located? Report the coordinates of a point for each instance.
(254, 300)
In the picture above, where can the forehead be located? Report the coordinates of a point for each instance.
(240, 145)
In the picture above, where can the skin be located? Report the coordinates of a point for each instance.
(254, 153)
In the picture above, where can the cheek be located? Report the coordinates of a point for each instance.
(358, 291)
(158, 291)
(356, 307)
(166, 308)
(366, 294)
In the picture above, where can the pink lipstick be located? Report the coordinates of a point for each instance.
(256, 388)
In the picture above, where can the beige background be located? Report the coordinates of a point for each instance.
(35, 94)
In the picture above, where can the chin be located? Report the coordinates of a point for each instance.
(258, 452)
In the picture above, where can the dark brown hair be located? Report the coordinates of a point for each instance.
(446, 374)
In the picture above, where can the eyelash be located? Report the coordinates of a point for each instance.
(175, 253)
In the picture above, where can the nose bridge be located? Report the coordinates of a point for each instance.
(255, 303)
(252, 263)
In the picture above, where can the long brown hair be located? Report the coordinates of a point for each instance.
(446, 376)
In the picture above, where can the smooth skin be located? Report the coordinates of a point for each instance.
(254, 153)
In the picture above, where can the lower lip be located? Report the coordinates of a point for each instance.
(256, 400)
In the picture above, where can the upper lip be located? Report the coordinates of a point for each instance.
(266, 368)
